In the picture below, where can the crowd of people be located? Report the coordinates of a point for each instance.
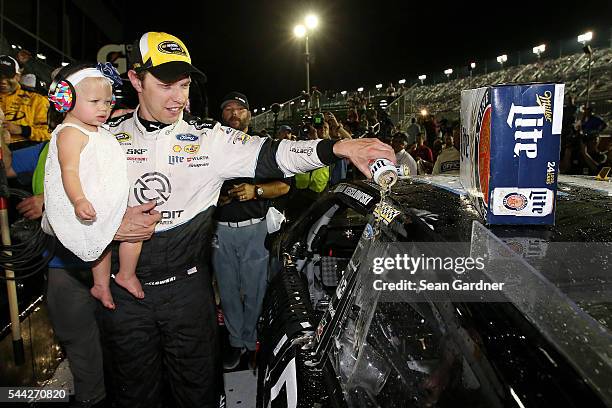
(434, 143)
(192, 196)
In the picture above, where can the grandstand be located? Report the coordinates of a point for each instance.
(443, 99)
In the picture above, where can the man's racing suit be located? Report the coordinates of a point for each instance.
(28, 110)
(173, 329)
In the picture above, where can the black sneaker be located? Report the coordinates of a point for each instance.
(232, 358)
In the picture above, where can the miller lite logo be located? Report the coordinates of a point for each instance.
(515, 201)
(528, 122)
(526, 202)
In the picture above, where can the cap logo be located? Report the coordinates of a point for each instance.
(171, 47)
(241, 100)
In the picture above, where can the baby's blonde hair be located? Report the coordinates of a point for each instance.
(92, 80)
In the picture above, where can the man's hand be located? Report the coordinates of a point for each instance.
(223, 200)
(361, 151)
(31, 207)
(138, 223)
(12, 128)
(243, 192)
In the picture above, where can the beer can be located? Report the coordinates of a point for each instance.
(384, 172)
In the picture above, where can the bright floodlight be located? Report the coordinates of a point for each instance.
(586, 37)
(423, 112)
(383, 102)
(401, 81)
(448, 71)
(539, 49)
(343, 93)
(378, 86)
(502, 58)
(41, 56)
(255, 110)
(311, 21)
(472, 65)
(263, 109)
(360, 89)
(422, 77)
(299, 31)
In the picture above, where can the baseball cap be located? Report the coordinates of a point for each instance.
(8, 66)
(235, 97)
(163, 55)
(285, 127)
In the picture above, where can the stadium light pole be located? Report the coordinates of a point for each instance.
(422, 78)
(470, 70)
(501, 59)
(539, 50)
(448, 73)
(584, 39)
(311, 22)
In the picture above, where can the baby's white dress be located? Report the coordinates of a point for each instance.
(103, 175)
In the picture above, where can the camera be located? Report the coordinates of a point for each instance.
(304, 127)
(318, 120)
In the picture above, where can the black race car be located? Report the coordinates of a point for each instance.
(329, 338)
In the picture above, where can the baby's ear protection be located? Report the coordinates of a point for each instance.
(62, 95)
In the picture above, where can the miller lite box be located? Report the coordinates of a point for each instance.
(510, 145)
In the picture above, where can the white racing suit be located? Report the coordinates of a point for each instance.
(173, 330)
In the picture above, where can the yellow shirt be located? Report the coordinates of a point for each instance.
(315, 180)
(25, 108)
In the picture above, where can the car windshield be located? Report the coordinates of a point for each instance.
(463, 354)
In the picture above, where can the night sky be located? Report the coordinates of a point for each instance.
(249, 45)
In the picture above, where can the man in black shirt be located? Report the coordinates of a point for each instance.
(240, 258)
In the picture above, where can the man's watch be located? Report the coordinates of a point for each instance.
(259, 191)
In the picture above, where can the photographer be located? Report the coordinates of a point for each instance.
(336, 129)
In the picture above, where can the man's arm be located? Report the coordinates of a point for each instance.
(588, 160)
(239, 155)
(32, 207)
(7, 158)
(246, 192)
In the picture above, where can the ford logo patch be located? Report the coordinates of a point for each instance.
(186, 137)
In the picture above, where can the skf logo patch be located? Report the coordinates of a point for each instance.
(136, 151)
(515, 201)
(191, 148)
(171, 47)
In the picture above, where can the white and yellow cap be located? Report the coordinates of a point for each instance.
(163, 55)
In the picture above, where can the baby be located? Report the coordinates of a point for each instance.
(86, 184)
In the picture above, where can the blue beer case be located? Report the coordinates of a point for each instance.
(510, 146)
